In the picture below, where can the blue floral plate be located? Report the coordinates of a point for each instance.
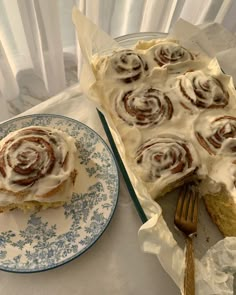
(47, 239)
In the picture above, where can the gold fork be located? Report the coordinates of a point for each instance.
(186, 217)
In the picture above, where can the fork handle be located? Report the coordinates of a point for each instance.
(189, 278)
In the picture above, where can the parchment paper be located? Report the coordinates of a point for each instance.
(215, 255)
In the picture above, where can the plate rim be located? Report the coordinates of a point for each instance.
(77, 255)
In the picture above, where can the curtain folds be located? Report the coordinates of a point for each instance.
(44, 50)
(39, 56)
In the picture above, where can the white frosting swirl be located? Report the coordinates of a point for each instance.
(144, 107)
(124, 66)
(164, 161)
(164, 155)
(202, 90)
(166, 53)
(35, 160)
(216, 132)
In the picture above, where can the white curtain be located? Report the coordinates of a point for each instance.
(38, 49)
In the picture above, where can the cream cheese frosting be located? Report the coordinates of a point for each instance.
(35, 161)
(176, 95)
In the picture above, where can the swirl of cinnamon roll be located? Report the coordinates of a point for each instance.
(127, 65)
(144, 107)
(171, 53)
(217, 134)
(203, 91)
(165, 157)
(36, 158)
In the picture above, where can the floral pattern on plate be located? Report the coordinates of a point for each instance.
(31, 242)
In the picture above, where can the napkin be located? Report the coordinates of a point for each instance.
(216, 261)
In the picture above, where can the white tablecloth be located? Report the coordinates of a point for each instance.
(114, 264)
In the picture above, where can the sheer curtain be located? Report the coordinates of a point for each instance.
(39, 56)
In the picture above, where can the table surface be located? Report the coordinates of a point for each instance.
(114, 264)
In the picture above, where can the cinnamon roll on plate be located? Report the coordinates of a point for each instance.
(37, 168)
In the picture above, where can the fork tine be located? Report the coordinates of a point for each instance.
(195, 210)
(179, 208)
(186, 200)
(191, 207)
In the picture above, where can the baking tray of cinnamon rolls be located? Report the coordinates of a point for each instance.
(171, 113)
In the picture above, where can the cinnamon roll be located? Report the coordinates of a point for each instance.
(144, 107)
(166, 160)
(202, 90)
(166, 53)
(217, 134)
(37, 165)
(126, 66)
